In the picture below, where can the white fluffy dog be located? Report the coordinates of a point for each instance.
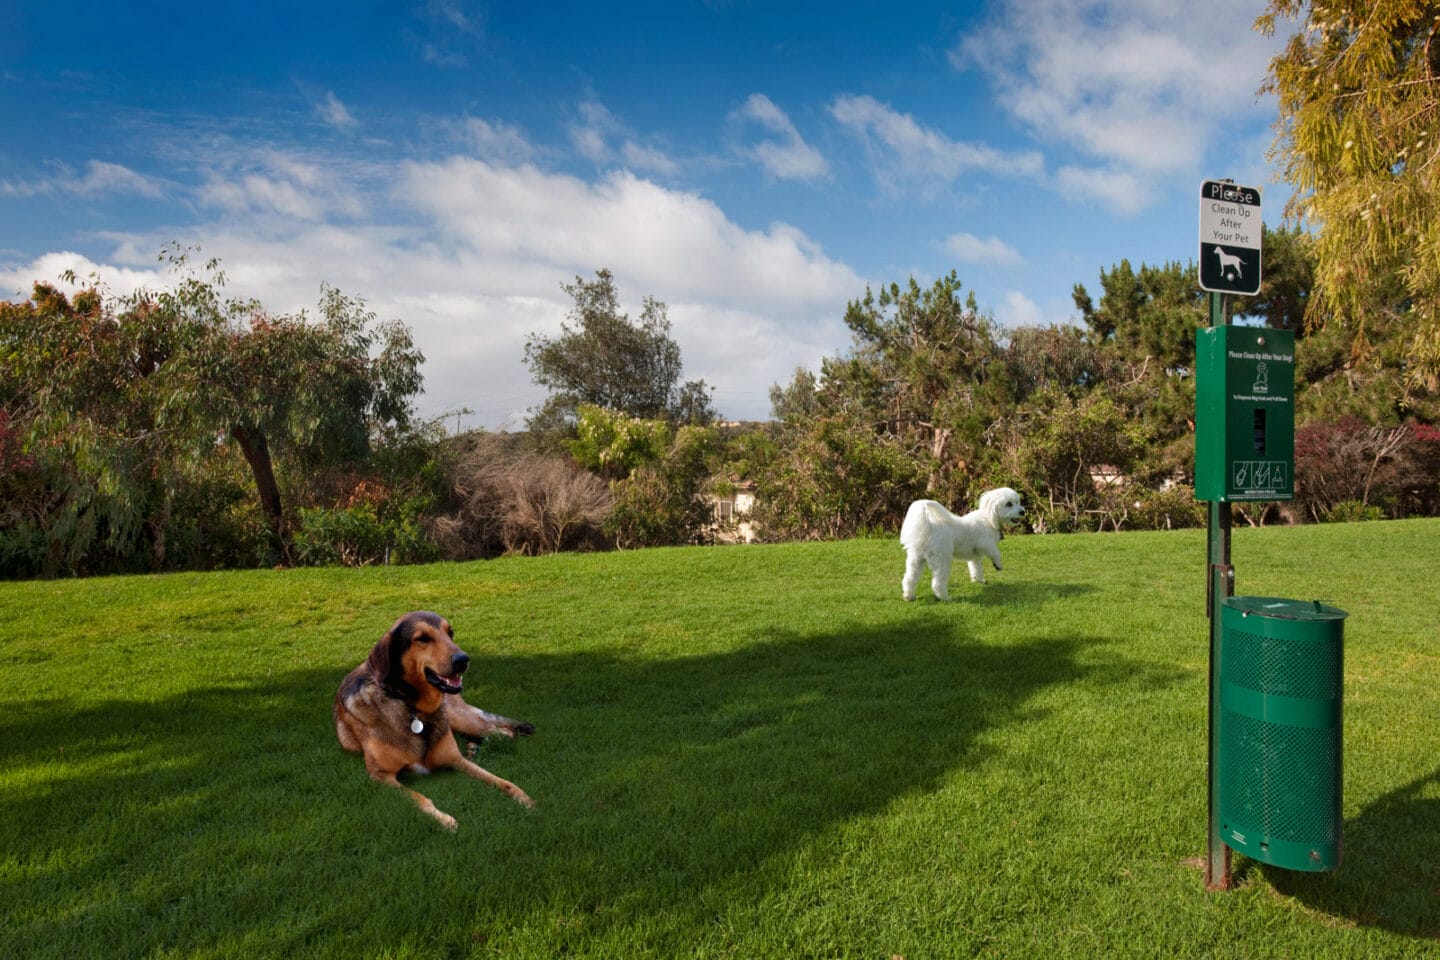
(933, 535)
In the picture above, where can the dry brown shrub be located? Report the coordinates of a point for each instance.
(508, 501)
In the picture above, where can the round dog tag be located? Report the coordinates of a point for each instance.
(417, 725)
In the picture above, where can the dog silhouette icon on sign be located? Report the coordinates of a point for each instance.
(1229, 261)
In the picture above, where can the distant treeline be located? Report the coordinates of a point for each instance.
(184, 430)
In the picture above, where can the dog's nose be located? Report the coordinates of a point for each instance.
(459, 662)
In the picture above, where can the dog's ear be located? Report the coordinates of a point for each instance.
(384, 661)
(378, 663)
(991, 503)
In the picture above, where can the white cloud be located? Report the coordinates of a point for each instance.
(904, 154)
(637, 156)
(454, 30)
(108, 178)
(969, 248)
(661, 238)
(335, 113)
(1018, 310)
(498, 141)
(1117, 188)
(16, 282)
(280, 183)
(471, 254)
(592, 136)
(454, 15)
(1143, 86)
(785, 156)
(100, 179)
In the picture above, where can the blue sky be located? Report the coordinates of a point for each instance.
(754, 165)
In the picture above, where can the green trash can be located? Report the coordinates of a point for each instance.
(1281, 673)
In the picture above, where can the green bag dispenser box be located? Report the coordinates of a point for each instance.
(1281, 667)
(1244, 414)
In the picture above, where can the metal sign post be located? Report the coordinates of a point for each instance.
(1276, 666)
(1230, 238)
(1221, 584)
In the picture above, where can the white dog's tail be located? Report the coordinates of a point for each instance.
(922, 515)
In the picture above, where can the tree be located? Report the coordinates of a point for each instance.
(1358, 137)
(614, 445)
(836, 476)
(1353, 462)
(904, 413)
(1053, 446)
(308, 391)
(1059, 357)
(119, 396)
(1146, 321)
(1148, 315)
(1287, 277)
(918, 373)
(82, 385)
(603, 359)
(661, 503)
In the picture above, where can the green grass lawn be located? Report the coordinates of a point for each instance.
(741, 752)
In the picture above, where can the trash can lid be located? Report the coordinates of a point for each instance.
(1285, 609)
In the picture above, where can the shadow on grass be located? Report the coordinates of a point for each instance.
(1390, 877)
(1000, 593)
(227, 820)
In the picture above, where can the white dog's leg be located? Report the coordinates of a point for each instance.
(977, 571)
(940, 577)
(993, 552)
(913, 563)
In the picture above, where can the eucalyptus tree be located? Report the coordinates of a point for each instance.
(117, 395)
(309, 391)
(80, 392)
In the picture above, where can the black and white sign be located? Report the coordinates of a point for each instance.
(1229, 238)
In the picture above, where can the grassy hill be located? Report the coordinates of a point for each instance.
(741, 752)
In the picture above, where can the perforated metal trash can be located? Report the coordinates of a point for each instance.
(1281, 673)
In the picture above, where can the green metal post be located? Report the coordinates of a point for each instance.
(1220, 584)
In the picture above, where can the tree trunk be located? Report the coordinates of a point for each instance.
(158, 526)
(939, 445)
(257, 453)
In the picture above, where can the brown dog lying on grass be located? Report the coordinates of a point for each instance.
(402, 707)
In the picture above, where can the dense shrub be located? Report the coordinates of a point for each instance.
(1395, 469)
(358, 536)
(22, 550)
(1353, 511)
(1053, 449)
(834, 477)
(662, 503)
(1172, 508)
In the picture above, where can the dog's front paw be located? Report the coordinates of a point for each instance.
(523, 729)
(444, 819)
